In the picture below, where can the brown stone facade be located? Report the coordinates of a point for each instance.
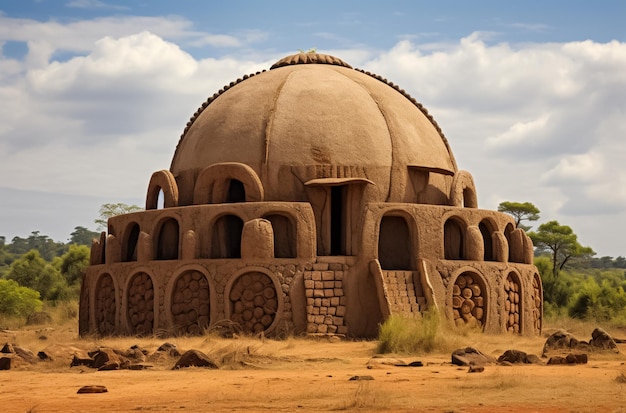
(292, 207)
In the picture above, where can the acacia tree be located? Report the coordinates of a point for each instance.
(110, 210)
(560, 242)
(83, 236)
(521, 211)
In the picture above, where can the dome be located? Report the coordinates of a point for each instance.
(312, 116)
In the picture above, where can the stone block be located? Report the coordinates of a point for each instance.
(308, 293)
(338, 292)
(338, 321)
(325, 302)
(332, 329)
(341, 311)
(308, 275)
(329, 284)
(319, 319)
(335, 266)
(316, 276)
(316, 310)
(317, 302)
(322, 328)
(309, 309)
(339, 275)
(311, 328)
(318, 293)
(331, 310)
(320, 266)
(329, 292)
(328, 276)
(334, 301)
(329, 320)
(318, 284)
(342, 330)
(309, 284)
(322, 310)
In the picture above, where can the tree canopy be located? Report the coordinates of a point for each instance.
(18, 300)
(560, 242)
(521, 211)
(110, 210)
(83, 236)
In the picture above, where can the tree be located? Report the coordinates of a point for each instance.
(32, 271)
(16, 300)
(83, 236)
(521, 211)
(561, 242)
(110, 210)
(46, 246)
(74, 262)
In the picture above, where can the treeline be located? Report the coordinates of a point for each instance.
(575, 283)
(38, 268)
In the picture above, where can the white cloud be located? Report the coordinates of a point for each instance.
(539, 123)
(576, 169)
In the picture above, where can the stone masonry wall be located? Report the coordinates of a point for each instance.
(326, 301)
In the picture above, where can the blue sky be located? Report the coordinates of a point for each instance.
(531, 95)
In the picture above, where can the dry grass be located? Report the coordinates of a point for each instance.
(308, 374)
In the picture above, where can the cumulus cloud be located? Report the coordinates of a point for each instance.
(535, 122)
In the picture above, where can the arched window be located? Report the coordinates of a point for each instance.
(285, 238)
(168, 240)
(129, 247)
(395, 246)
(226, 237)
(485, 231)
(508, 230)
(236, 191)
(453, 240)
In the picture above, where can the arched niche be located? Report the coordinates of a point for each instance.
(285, 235)
(463, 191)
(454, 239)
(227, 182)
(226, 237)
(508, 230)
(254, 301)
(162, 181)
(191, 303)
(168, 240)
(129, 242)
(469, 300)
(487, 228)
(105, 305)
(513, 303)
(537, 304)
(140, 304)
(396, 243)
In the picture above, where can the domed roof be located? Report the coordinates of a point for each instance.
(314, 111)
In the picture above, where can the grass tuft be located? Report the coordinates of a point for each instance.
(404, 335)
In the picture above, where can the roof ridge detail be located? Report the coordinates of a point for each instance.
(310, 58)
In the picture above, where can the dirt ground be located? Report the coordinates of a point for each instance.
(303, 375)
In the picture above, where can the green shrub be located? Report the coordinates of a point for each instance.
(407, 335)
(18, 301)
